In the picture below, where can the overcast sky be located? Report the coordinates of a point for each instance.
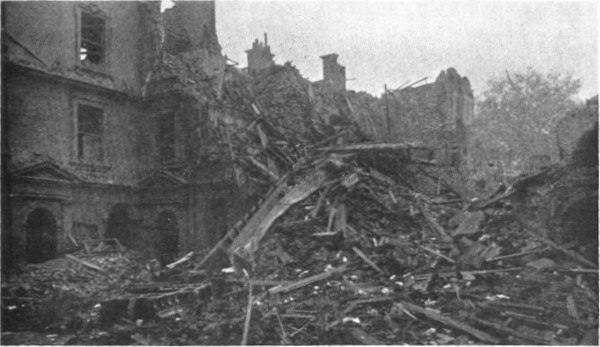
(396, 41)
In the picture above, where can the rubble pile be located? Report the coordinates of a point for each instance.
(348, 242)
(362, 256)
(43, 294)
(375, 262)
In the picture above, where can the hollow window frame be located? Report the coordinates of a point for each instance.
(100, 135)
(94, 12)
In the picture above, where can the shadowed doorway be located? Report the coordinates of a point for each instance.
(41, 236)
(167, 243)
(119, 225)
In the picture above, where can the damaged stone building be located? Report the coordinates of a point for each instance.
(432, 115)
(93, 115)
(120, 122)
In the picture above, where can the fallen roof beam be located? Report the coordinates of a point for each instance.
(365, 147)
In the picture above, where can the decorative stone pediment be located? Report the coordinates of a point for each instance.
(46, 170)
(160, 178)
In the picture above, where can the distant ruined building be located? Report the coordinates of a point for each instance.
(432, 115)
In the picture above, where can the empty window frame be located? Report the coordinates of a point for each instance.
(90, 131)
(166, 137)
(92, 42)
(176, 43)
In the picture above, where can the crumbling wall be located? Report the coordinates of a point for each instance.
(570, 128)
(334, 74)
(259, 56)
(431, 114)
(37, 113)
(49, 30)
(81, 211)
(194, 21)
(42, 125)
(283, 92)
(434, 114)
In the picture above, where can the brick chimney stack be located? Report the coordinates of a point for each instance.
(334, 74)
(259, 56)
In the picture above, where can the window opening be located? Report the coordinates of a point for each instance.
(176, 43)
(92, 45)
(89, 133)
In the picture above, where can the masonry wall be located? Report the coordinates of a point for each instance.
(431, 115)
(195, 19)
(42, 125)
(81, 211)
(50, 30)
(570, 128)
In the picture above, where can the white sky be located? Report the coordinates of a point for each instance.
(396, 41)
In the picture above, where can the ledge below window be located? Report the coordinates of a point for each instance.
(94, 70)
(92, 167)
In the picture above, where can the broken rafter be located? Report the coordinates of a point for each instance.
(309, 280)
(247, 241)
(434, 224)
(272, 176)
(509, 331)
(85, 263)
(481, 335)
(438, 254)
(248, 315)
(367, 260)
(366, 147)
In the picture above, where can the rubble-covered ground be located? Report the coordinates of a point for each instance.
(350, 242)
(380, 253)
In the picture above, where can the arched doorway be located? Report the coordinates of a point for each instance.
(41, 236)
(167, 241)
(119, 225)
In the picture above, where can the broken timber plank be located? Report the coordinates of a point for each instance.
(270, 198)
(483, 336)
(434, 224)
(309, 280)
(272, 176)
(365, 147)
(364, 338)
(246, 243)
(85, 263)
(367, 260)
(509, 331)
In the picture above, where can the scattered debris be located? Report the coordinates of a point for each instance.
(347, 242)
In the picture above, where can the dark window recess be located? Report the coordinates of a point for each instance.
(176, 43)
(89, 133)
(166, 137)
(92, 45)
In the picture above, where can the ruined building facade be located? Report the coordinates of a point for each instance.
(431, 115)
(93, 114)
